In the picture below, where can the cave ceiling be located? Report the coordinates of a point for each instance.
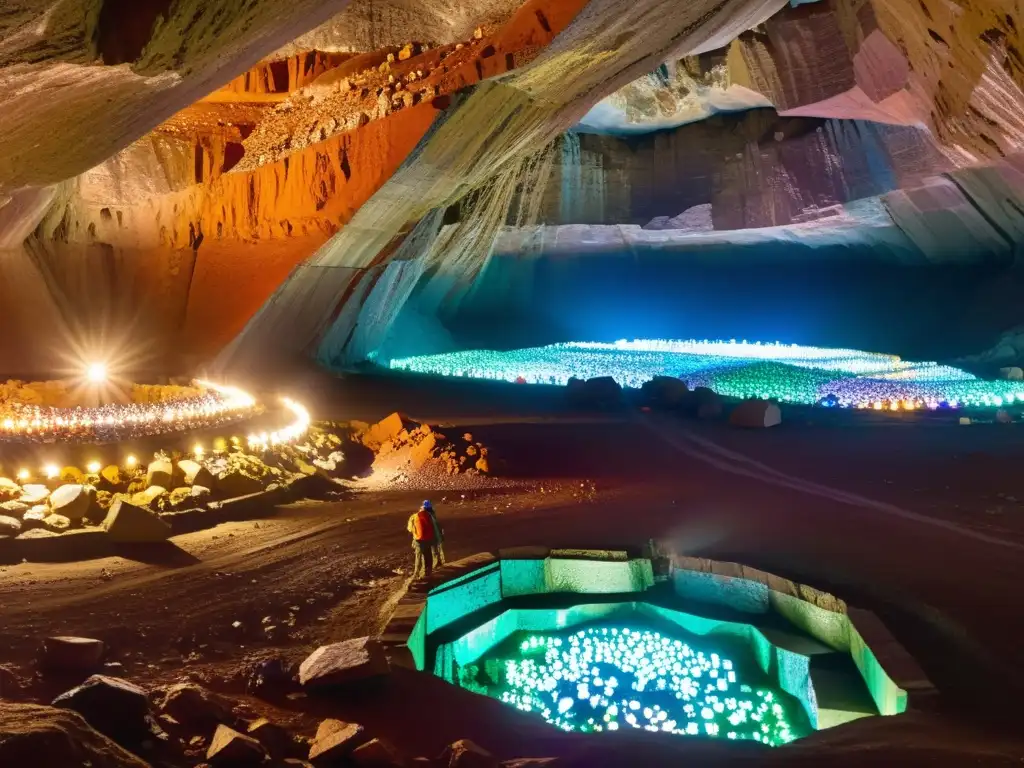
(258, 177)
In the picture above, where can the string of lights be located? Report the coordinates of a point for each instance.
(216, 405)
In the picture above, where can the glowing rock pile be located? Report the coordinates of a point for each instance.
(782, 372)
(216, 405)
(604, 679)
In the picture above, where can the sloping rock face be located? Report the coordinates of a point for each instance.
(366, 156)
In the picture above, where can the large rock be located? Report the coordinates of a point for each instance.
(195, 473)
(755, 414)
(73, 501)
(33, 494)
(386, 429)
(45, 737)
(232, 749)
(160, 472)
(465, 754)
(342, 663)
(9, 526)
(664, 392)
(237, 482)
(334, 740)
(275, 739)
(112, 479)
(126, 523)
(1012, 373)
(71, 654)
(706, 403)
(35, 517)
(194, 707)
(9, 489)
(14, 508)
(148, 497)
(114, 707)
(56, 523)
(376, 753)
(601, 392)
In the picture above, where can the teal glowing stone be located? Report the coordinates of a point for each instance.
(612, 678)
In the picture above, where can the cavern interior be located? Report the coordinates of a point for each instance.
(479, 383)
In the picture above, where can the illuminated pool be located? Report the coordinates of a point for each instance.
(782, 372)
(603, 678)
(615, 640)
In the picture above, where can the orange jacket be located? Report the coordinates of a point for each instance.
(422, 526)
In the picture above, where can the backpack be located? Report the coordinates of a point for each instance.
(423, 527)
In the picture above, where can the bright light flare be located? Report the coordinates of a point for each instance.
(96, 373)
(93, 467)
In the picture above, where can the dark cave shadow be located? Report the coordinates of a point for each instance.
(165, 554)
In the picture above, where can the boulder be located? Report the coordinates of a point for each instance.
(33, 494)
(465, 754)
(72, 476)
(237, 482)
(56, 523)
(274, 738)
(114, 707)
(601, 392)
(334, 740)
(194, 707)
(127, 523)
(9, 526)
(376, 753)
(386, 429)
(708, 405)
(195, 473)
(148, 497)
(664, 392)
(755, 414)
(9, 489)
(1013, 373)
(35, 517)
(343, 663)
(111, 478)
(43, 737)
(231, 748)
(71, 654)
(161, 473)
(180, 496)
(72, 501)
(200, 492)
(14, 508)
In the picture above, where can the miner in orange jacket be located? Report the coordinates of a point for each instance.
(421, 526)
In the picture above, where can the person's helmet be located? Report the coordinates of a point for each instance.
(427, 504)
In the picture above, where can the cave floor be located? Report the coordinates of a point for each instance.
(924, 524)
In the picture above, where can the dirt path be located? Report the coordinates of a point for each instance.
(314, 572)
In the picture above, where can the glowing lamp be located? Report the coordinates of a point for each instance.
(130, 462)
(197, 450)
(24, 474)
(93, 467)
(96, 373)
(51, 471)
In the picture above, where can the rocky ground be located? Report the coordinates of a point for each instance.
(859, 511)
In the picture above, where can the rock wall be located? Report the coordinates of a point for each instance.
(487, 131)
(754, 168)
